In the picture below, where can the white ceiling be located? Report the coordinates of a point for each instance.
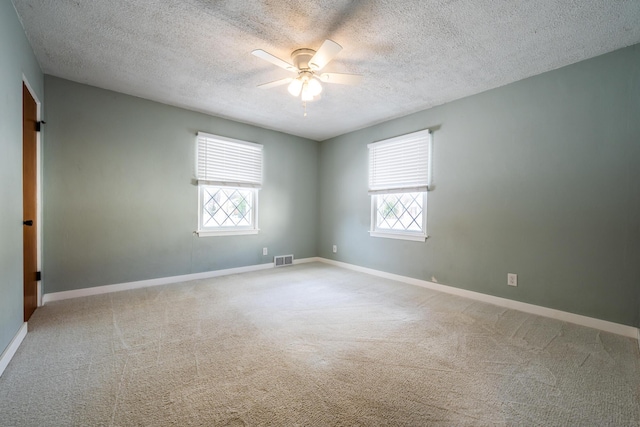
(413, 54)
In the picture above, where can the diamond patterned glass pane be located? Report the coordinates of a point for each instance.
(227, 207)
(399, 212)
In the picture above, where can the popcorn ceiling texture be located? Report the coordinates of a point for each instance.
(312, 345)
(413, 54)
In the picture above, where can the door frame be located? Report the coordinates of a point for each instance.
(38, 186)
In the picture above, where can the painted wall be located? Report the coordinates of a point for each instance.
(16, 59)
(120, 204)
(539, 178)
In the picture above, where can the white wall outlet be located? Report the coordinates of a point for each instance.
(512, 279)
(335, 249)
(265, 251)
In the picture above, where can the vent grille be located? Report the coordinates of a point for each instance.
(282, 260)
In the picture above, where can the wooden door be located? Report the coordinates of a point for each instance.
(29, 197)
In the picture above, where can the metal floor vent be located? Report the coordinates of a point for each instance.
(282, 260)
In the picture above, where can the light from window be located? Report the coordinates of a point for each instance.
(399, 177)
(399, 212)
(227, 207)
(229, 176)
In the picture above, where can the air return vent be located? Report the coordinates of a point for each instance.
(282, 260)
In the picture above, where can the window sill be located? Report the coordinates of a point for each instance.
(401, 236)
(210, 233)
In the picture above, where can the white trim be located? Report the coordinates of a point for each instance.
(603, 325)
(401, 236)
(11, 349)
(33, 92)
(233, 232)
(98, 290)
(307, 260)
(39, 205)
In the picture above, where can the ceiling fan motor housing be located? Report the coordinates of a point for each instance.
(301, 58)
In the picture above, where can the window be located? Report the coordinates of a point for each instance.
(399, 178)
(229, 176)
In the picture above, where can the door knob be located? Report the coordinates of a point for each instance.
(28, 222)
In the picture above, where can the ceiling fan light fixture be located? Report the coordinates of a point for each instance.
(306, 93)
(314, 87)
(295, 87)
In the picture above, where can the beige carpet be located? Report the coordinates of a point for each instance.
(312, 345)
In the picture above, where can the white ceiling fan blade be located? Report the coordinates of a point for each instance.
(274, 60)
(342, 79)
(326, 53)
(275, 83)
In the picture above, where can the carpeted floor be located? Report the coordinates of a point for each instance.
(312, 345)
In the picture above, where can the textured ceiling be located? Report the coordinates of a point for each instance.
(413, 54)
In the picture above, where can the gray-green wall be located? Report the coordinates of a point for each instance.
(16, 60)
(539, 178)
(120, 204)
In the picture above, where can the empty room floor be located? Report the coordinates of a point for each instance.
(312, 345)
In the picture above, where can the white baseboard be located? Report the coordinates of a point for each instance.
(97, 290)
(11, 349)
(307, 260)
(603, 325)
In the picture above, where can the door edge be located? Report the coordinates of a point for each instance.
(39, 233)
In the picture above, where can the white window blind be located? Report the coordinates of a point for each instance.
(228, 162)
(401, 164)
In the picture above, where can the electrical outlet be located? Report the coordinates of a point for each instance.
(265, 251)
(512, 279)
(335, 249)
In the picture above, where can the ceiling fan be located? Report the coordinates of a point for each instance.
(306, 63)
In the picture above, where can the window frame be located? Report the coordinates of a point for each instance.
(227, 231)
(417, 236)
(421, 186)
(224, 177)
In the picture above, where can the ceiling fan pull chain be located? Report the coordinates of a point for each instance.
(304, 105)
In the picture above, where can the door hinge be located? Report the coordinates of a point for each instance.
(39, 125)
(38, 276)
